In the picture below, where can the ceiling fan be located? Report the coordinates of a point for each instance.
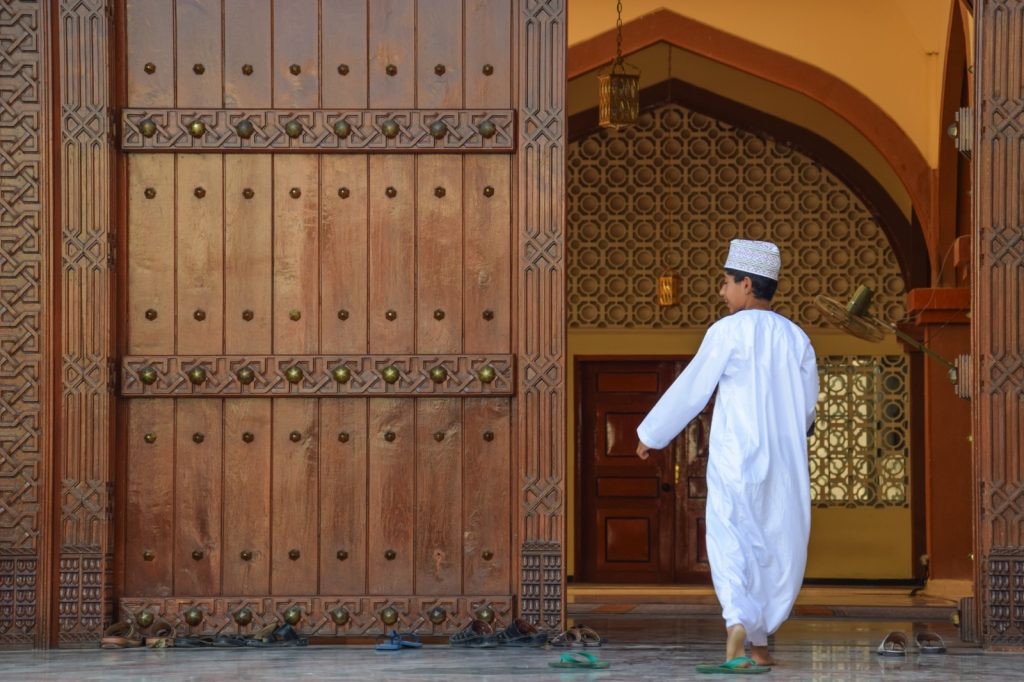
(854, 318)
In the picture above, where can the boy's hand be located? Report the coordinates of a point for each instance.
(642, 451)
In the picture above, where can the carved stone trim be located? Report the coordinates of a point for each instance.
(366, 375)
(365, 130)
(363, 613)
(541, 306)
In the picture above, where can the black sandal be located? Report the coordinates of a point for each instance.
(522, 634)
(477, 635)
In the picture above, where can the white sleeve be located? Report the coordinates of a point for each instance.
(809, 376)
(689, 393)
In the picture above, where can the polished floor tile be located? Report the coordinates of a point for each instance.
(637, 648)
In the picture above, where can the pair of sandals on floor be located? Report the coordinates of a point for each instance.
(480, 634)
(123, 635)
(897, 644)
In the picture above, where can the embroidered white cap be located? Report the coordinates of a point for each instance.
(754, 258)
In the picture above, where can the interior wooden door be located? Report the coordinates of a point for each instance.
(640, 521)
(318, 372)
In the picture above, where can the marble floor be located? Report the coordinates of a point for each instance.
(638, 648)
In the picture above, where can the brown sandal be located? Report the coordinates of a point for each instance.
(121, 635)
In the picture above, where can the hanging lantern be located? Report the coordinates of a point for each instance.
(669, 287)
(618, 91)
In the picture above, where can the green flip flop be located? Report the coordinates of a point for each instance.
(737, 666)
(579, 659)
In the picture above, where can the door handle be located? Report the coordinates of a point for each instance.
(666, 488)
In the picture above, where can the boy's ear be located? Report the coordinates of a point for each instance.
(748, 285)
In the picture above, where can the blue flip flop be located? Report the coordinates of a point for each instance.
(737, 666)
(398, 641)
(578, 660)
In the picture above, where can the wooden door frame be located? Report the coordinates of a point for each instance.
(58, 556)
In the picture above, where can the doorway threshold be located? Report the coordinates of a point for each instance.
(863, 602)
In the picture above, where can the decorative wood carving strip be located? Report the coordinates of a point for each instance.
(541, 317)
(365, 130)
(998, 325)
(364, 613)
(85, 599)
(26, 344)
(366, 375)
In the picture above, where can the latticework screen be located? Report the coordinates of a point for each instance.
(860, 450)
(672, 191)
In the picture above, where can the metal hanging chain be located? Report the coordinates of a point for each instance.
(618, 32)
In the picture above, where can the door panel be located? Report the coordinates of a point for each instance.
(392, 254)
(198, 51)
(296, 55)
(392, 43)
(197, 497)
(391, 489)
(344, 61)
(343, 496)
(247, 36)
(248, 254)
(439, 44)
(641, 521)
(296, 254)
(439, 254)
(200, 254)
(247, 510)
(293, 499)
(342, 490)
(438, 496)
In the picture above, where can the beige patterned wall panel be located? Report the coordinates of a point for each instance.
(674, 190)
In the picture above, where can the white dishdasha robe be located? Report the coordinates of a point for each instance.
(759, 496)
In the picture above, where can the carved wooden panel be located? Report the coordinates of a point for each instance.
(998, 322)
(322, 616)
(488, 130)
(86, 456)
(541, 308)
(27, 415)
(396, 375)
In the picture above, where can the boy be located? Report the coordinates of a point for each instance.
(758, 503)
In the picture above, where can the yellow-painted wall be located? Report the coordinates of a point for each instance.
(662, 61)
(861, 543)
(893, 51)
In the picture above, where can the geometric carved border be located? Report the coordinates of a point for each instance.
(85, 599)
(366, 375)
(363, 613)
(541, 309)
(27, 129)
(1004, 597)
(365, 130)
(997, 322)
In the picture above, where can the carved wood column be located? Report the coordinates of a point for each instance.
(998, 332)
(26, 321)
(85, 429)
(541, 309)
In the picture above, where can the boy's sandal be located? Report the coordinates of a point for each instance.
(929, 642)
(579, 659)
(737, 666)
(121, 635)
(477, 635)
(520, 633)
(894, 644)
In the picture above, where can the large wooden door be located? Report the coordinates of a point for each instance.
(318, 368)
(640, 521)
